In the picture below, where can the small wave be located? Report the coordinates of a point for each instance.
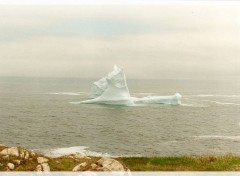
(73, 150)
(215, 95)
(67, 93)
(193, 105)
(78, 102)
(218, 137)
(222, 103)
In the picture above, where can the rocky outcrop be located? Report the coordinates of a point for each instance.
(43, 165)
(103, 164)
(16, 158)
(10, 166)
(42, 160)
(79, 167)
(81, 156)
(109, 164)
(10, 151)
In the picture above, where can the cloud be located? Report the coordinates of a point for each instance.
(149, 42)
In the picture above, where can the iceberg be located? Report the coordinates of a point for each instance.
(113, 90)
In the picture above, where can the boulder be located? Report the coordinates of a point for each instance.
(6, 157)
(41, 160)
(18, 162)
(110, 164)
(32, 154)
(10, 151)
(79, 166)
(103, 169)
(94, 166)
(26, 155)
(81, 156)
(39, 168)
(21, 153)
(45, 167)
(10, 166)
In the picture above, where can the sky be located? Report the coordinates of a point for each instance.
(149, 41)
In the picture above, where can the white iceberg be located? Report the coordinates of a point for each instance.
(113, 90)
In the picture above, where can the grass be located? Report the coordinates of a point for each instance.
(182, 163)
(191, 163)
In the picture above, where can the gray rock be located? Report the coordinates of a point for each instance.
(10, 151)
(45, 167)
(110, 164)
(79, 166)
(41, 160)
(10, 166)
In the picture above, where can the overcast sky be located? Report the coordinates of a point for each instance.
(166, 40)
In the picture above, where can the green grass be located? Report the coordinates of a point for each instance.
(191, 163)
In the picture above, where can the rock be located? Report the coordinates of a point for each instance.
(6, 157)
(21, 153)
(57, 161)
(1, 165)
(102, 169)
(41, 160)
(45, 167)
(32, 154)
(10, 166)
(26, 155)
(94, 166)
(81, 156)
(10, 151)
(39, 168)
(1, 145)
(79, 166)
(110, 164)
(70, 156)
(18, 162)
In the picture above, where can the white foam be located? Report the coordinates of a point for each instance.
(218, 137)
(222, 103)
(216, 95)
(73, 150)
(193, 105)
(67, 93)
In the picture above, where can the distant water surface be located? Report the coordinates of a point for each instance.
(36, 113)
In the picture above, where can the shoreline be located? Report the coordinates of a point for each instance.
(21, 159)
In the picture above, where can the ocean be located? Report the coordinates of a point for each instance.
(38, 113)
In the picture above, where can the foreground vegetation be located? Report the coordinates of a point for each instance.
(191, 163)
(67, 163)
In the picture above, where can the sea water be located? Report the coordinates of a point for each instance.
(40, 114)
